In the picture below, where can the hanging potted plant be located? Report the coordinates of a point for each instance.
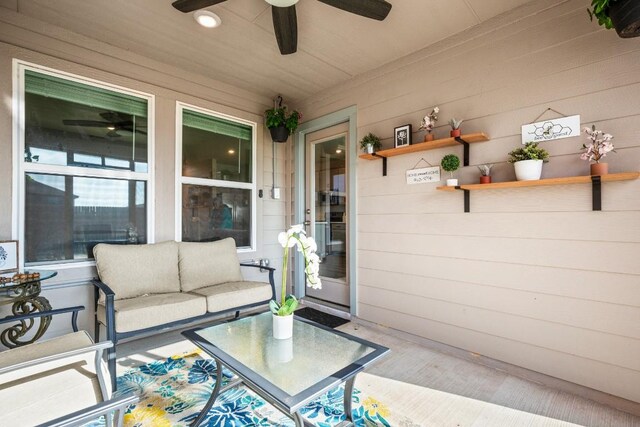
(370, 143)
(451, 163)
(282, 311)
(623, 15)
(281, 123)
(527, 161)
(599, 146)
(455, 127)
(485, 173)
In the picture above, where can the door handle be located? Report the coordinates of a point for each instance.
(307, 223)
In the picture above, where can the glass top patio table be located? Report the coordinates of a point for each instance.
(288, 373)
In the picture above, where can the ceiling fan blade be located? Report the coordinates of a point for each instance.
(374, 9)
(191, 5)
(285, 24)
(87, 123)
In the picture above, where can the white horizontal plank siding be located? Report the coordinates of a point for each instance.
(532, 276)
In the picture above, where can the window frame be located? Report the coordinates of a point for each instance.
(21, 168)
(180, 179)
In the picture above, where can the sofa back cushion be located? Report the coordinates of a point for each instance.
(206, 264)
(134, 270)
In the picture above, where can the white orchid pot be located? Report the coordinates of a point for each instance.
(528, 170)
(282, 327)
(452, 182)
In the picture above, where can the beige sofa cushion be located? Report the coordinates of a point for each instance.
(206, 264)
(134, 270)
(154, 310)
(36, 394)
(234, 294)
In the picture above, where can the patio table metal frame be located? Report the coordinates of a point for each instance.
(289, 404)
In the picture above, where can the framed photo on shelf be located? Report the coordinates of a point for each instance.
(402, 136)
(8, 256)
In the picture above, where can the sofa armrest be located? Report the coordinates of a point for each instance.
(117, 406)
(109, 307)
(271, 270)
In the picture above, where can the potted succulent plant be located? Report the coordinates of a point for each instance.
(485, 173)
(623, 15)
(429, 123)
(599, 146)
(281, 123)
(451, 163)
(370, 143)
(527, 161)
(455, 127)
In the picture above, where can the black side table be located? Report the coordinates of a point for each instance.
(22, 290)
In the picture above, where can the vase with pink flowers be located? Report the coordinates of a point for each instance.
(596, 149)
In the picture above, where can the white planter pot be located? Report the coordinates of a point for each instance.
(369, 149)
(282, 327)
(528, 170)
(452, 182)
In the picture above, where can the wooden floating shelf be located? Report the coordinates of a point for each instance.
(587, 179)
(428, 145)
(595, 181)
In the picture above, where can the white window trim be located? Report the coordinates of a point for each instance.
(180, 180)
(20, 168)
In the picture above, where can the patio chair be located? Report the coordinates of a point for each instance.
(58, 382)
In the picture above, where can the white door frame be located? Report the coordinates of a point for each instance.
(347, 115)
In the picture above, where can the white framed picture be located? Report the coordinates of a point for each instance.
(8, 256)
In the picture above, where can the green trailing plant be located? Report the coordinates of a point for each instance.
(530, 151)
(600, 11)
(455, 124)
(485, 170)
(276, 117)
(370, 139)
(450, 163)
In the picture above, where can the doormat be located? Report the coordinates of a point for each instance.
(317, 316)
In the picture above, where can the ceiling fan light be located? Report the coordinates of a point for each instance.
(282, 3)
(207, 19)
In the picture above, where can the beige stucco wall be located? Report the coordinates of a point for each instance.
(45, 45)
(532, 276)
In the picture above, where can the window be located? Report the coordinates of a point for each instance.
(217, 187)
(84, 167)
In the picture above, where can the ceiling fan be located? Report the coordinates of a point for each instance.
(285, 22)
(113, 123)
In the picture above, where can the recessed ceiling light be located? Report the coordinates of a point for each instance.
(111, 127)
(231, 151)
(207, 19)
(282, 3)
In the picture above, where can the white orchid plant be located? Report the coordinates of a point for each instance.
(429, 121)
(296, 236)
(598, 147)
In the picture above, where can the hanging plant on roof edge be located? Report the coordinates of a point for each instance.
(623, 15)
(281, 124)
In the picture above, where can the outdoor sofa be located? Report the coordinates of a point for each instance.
(151, 287)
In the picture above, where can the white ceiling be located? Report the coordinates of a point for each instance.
(333, 45)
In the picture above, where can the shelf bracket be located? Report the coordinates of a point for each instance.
(465, 144)
(596, 192)
(467, 199)
(384, 163)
